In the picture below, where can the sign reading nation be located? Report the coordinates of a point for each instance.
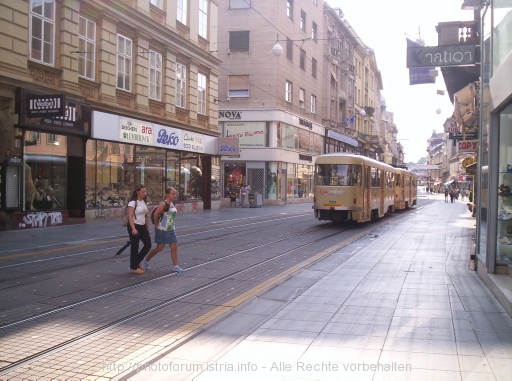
(441, 56)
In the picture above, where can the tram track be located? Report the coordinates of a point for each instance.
(184, 232)
(47, 349)
(56, 310)
(204, 287)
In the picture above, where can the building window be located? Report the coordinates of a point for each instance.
(239, 4)
(303, 59)
(157, 3)
(201, 94)
(42, 31)
(51, 139)
(182, 11)
(181, 81)
(302, 20)
(289, 9)
(314, 31)
(289, 49)
(86, 47)
(239, 41)
(33, 138)
(238, 86)
(313, 67)
(302, 99)
(288, 92)
(203, 18)
(124, 63)
(155, 75)
(313, 104)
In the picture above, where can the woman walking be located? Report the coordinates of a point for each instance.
(165, 233)
(138, 228)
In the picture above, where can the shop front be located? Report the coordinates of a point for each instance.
(51, 133)
(276, 154)
(124, 152)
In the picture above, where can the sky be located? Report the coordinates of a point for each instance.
(383, 26)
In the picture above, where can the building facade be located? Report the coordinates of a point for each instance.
(100, 96)
(271, 95)
(295, 82)
(482, 95)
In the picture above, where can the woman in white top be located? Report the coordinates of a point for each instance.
(138, 228)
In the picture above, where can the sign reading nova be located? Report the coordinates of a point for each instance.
(441, 56)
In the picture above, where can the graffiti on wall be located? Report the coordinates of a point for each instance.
(102, 213)
(41, 220)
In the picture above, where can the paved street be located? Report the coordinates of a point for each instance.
(404, 307)
(397, 303)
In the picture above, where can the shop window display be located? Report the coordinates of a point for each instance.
(113, 170)
(234, 177)
(215, 178)
(272, 180)
(191, 176)
(45, 171)
(504, 226)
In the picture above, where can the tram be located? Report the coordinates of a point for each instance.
(350, 187)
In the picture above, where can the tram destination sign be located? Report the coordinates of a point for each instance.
(441, 56)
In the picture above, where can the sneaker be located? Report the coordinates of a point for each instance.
(146, 265)
(177, 268)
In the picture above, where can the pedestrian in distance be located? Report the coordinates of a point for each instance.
(165, 232)
(446, 195)
(462, 194)
(452, 195)
(138, 228)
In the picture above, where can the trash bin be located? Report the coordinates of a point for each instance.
(255, 200)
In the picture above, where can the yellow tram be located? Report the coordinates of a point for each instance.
(356, 188)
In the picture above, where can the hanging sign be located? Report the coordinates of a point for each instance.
(441, 56)
(450, 126)
(467, 146)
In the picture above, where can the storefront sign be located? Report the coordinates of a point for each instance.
(167, 137)
(135, 131)
(441, 56)
(75, 119)
(458, 136)
(192, 141)
(342, 138)
(250, 134)
(450, 125)
(306, 157)
(228, 146)
(307, 123)
(45, 105)
(468, 161)
(232, 115)
(467, 146)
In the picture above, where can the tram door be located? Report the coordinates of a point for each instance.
(367, 191)
(382, 195)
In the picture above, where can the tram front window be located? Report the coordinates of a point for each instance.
(338, 174)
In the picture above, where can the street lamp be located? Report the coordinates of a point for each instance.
(277, 50)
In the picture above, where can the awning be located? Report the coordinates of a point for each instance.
(448, 183)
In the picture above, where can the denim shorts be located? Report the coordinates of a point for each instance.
(165, 236)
